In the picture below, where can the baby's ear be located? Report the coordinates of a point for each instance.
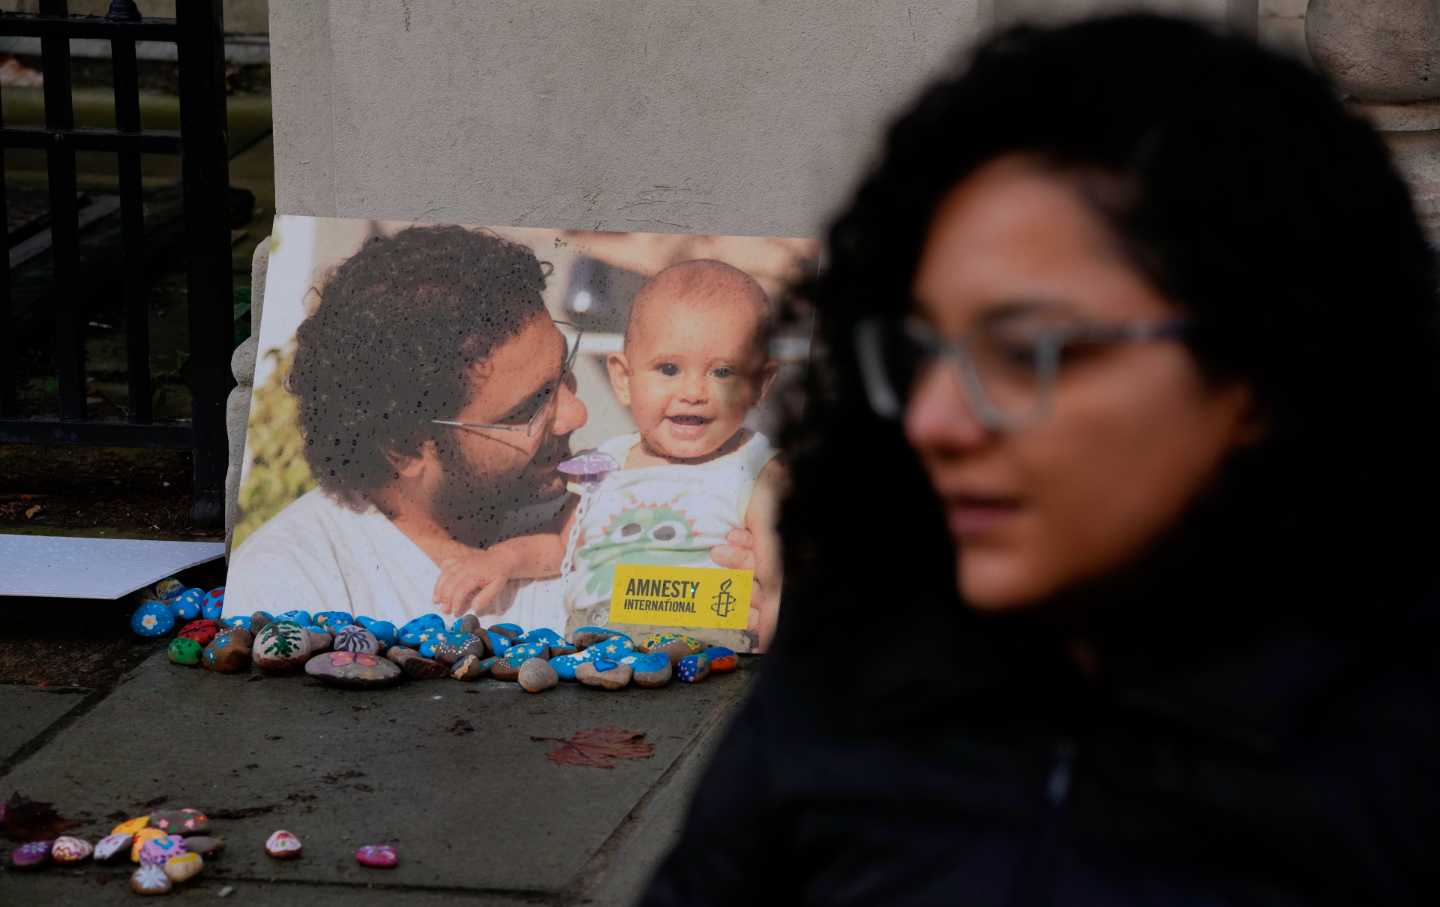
(619, 368)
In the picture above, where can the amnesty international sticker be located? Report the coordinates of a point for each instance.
(681, 596)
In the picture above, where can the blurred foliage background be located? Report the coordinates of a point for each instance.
(278, 471)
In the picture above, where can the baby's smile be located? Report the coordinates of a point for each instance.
(688, 426)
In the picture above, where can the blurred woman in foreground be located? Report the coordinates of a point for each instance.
(1108, 554)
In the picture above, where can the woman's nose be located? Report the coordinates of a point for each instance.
(940, 414)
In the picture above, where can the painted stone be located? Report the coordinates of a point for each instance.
(536, 676)
(158, 850)
(604, 675)
(211, 610)
(333, 620)
(130, 826)
(385, 632)
(142, 837)
(152, 619)
(652, 670)
(508, 667)
(113, 845)
(414, 664)
(228, 652)
(466, 623)
(541, 636)
(32, 855)
(259, 619)
(184, 867)
(356, 639)
(204, 845)
(509, 631)
(472, 667)
(282, 647)
(353, 670)
(585, 637)
(722, 660)
(673, 645)
(295, 617)
(410, 632)
(169, 589)
(693, 668)
(320, 640)
(186, 607)
(69, 849)
(184, 651)
(614, 648)
(150, 879)
(180, 821)
(452, 647)
(216, 596)
(283, 845)
(498, 643)
(202, 631)
(237, 622)
(565, 665)
(377, 856)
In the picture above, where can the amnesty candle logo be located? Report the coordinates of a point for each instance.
(681, 596)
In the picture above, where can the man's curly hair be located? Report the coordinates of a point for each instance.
(392, 343)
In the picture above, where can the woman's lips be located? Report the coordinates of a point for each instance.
(970, 518)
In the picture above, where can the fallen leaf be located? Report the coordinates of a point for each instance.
(599, 747)
(32, 510)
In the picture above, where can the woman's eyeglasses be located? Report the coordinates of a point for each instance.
(1008, 369)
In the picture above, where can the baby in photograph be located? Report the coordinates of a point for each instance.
(695, 362)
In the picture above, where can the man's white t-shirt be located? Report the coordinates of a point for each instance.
(319, 555)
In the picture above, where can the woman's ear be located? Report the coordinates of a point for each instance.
(619, 369)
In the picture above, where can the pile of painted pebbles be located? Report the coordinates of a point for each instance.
(344, 650)
(192, 615)
(169, 848)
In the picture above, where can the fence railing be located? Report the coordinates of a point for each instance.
(198, 33)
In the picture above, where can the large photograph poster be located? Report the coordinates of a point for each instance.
(546, 428)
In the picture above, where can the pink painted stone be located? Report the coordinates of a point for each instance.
(377, 856)
(283, 845)
(32, 855)
(158, 850)
(68, 849)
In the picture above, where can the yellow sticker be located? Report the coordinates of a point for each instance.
(681, 596)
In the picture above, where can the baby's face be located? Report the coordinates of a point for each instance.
(689, 375)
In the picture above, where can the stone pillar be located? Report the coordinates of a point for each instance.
(1384, 57)
(237, 407)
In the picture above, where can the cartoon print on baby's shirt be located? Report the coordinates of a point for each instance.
(644, 533)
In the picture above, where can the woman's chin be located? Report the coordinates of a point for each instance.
(992, 587)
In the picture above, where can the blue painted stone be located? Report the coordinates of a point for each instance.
(295, 617)
(646, 662)
(216, 595)
(185, 609)
(542, 636)
(384, 631)
(499, 644)
(602, 664)
(509, 630)
(153, 618)
(565, 665)
(333, 620)
(316, 628)
(693, 668)
(211, 611)
(613, 648)
(410, 634)
(517, 655)
(240, 622)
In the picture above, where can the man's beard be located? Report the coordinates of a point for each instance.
(481, 510)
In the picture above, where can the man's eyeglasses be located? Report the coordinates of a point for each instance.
(535, 412)
(1008, 369)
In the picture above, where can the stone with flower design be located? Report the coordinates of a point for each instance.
(181, 821)
(142, 837)
(353, 670)
(113, 845)
(32, 855)
(150, 878)
(377, 856)
(331, 621)
(152, 619)
(70, 849)
(184, 867)
(357, 639)
(158, 850)
(281, 648)
(283, 845)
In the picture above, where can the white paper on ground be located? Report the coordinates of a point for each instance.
(60, 567)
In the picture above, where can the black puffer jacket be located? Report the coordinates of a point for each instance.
(1298, 767)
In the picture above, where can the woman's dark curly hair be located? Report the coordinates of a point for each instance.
(1255, 202)
(392, 342)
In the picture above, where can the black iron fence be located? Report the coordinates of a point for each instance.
(198, 34)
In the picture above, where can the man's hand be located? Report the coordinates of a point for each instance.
(471, 582)
(739, 554)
